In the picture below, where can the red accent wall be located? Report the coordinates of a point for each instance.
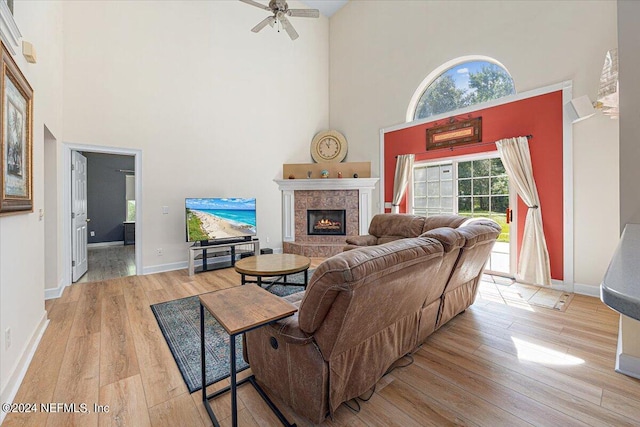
(540, 116)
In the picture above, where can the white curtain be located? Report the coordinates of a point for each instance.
(533, 266)
(404, 166)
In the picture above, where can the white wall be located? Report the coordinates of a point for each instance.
(380, 51)
(215, 108)
(22, 235)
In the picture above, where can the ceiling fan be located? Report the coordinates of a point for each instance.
(280, 11)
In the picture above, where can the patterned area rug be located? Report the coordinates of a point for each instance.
(179, 321)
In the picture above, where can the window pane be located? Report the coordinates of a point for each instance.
(447, 203)
(131, 210)
(464, 205)
(446, 188)
(481, 168)
(433, 173)
(433, 189)
(420, 202)
(420, 189)
(420, 174)
(464, 187)
(499, 204)
(481, 186)
(464, 170)
(481, 206)
(496, 167)
(500, 185)
(446, 171)
(462, 85)
(433, 202)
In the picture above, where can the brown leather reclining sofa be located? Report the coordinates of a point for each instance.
(365, 308)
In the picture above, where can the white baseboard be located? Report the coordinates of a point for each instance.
(577, 288)
(16, 377)
(211, 262)
(589, 290)
(54, 293)
(105, 244)
(161, 268)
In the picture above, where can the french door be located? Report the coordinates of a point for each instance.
(473, 187)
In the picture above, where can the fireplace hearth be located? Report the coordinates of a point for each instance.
(322, 222)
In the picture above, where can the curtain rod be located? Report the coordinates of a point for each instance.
(482, 144)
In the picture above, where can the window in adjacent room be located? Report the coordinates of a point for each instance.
(130, 181)
(459, 84)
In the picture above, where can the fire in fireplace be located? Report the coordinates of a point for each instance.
(326, 222)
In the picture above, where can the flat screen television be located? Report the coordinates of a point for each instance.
(220, 219)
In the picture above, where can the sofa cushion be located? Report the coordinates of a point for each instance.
(437, 221)
(347, 271)
(396, 225)
(450, 238)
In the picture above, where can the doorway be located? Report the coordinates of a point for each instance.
(474, 187)
(128, 259)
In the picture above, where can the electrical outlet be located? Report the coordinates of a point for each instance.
(7, 338)
(92, 233)
(159, 251)
(267, 239)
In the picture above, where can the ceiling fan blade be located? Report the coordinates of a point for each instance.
(270, 20)
(304, 13)
(256, 4)
(287, 26)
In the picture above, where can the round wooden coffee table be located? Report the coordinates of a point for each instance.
(273, 265)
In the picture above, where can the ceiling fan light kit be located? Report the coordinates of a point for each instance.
(280, 10)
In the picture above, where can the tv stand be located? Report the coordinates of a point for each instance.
(218, 249)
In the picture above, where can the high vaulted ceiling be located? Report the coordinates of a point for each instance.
(326, 7)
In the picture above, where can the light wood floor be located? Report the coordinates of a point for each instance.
(110, 262)
(498, 364)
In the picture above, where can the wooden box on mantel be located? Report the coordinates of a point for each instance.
(300, 170)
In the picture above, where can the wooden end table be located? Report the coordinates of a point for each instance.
(273, 265)
(240, 309)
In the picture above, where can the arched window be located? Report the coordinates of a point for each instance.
(460, 83)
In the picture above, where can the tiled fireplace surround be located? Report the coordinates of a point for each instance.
(351, 194)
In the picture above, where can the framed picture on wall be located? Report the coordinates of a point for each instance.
(16, 138)
(455, 133)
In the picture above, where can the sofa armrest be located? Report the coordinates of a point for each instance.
(364, 240)
(288, 330)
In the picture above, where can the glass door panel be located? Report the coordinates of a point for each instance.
(474, 188)
(483, 191)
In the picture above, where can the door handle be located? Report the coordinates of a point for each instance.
(88, 219)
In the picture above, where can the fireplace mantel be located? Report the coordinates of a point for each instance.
(327, 184)
(365, 187)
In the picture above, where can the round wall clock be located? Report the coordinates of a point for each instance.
(329, 147)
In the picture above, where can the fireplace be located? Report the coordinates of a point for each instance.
(322, 222)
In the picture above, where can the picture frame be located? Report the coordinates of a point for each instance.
(456, 133)
(16, 138)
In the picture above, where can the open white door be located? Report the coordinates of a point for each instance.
(78, 215)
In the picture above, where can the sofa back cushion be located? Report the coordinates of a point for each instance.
(437, 221)
(389, 227)
(355, 294)
(480, 237)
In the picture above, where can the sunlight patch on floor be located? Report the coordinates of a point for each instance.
(535, 353)
(513, 294)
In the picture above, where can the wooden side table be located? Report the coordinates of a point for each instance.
(240, 309)
(273, 265)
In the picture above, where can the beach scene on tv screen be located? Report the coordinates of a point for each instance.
(220, 218)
